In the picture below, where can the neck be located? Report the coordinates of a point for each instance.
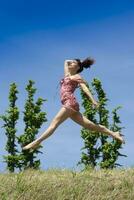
(71, 74)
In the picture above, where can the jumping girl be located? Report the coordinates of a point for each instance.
(70, 107)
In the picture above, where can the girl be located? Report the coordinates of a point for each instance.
(70, 107)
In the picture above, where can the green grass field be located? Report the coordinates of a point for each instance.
(63, 184)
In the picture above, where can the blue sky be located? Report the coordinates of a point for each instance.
(35, 39)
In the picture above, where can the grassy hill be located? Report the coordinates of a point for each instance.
(63, 184)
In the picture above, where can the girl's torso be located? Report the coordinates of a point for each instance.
(69, 83)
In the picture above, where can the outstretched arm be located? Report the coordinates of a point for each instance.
(66, 66)
(87, 91)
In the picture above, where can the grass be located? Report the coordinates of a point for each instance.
(64, 184)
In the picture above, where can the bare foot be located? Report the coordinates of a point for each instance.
(32, 145)
(117, 135)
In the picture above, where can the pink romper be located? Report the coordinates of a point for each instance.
(67, 89)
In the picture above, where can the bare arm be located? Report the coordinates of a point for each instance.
(87, 92)
(66, 62)
(66, 66)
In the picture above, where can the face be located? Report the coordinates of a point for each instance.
(73, 65)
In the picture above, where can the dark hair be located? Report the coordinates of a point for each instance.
(86, 63)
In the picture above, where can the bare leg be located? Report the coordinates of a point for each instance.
(61, 116)
(86, 123)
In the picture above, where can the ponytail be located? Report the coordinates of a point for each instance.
(86, 63)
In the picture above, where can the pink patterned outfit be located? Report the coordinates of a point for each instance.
(67, 89)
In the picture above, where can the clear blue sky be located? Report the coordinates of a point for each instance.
(35, 39)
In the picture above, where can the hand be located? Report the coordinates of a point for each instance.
(96, 104)
(68, 61)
